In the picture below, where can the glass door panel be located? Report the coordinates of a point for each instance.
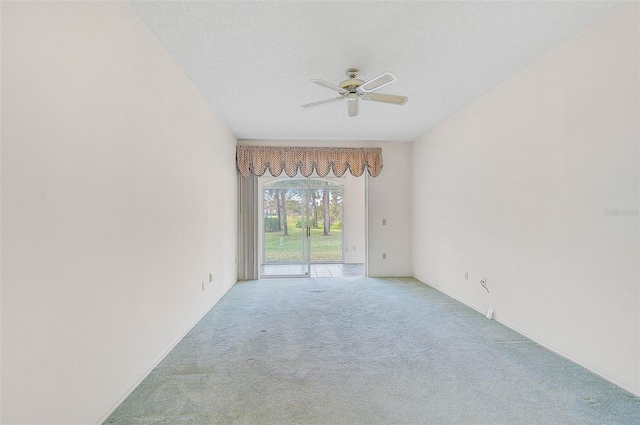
(286, 232)
(326, 218)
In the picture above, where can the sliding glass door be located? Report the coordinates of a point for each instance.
(302, 225)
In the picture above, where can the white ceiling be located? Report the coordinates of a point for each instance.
(253, 60)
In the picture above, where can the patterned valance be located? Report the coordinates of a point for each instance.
(259, 159)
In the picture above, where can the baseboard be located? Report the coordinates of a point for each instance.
(460, 300)
(614, 379)
(109, 410)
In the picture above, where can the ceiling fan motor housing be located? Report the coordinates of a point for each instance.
(351, 84)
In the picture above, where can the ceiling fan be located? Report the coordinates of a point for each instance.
(354, 89)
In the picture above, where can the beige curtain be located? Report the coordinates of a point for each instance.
(257, 160)
(247, 227)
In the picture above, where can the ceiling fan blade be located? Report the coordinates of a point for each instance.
(378, 82)
(331, 86)
(387, 98)
(353, 107)
(322, 101)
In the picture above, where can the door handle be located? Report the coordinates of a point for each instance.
(308, 231)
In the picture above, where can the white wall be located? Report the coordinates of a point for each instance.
(354, 219)
(118, 198)
(388, 197)
(518, 188)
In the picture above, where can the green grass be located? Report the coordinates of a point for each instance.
(323, 248)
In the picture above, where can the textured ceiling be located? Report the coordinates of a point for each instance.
(253, 60)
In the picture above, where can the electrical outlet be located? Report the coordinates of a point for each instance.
(210, 277)
(384, 221)
(466, 275)
(203, 286)
(384, 256)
